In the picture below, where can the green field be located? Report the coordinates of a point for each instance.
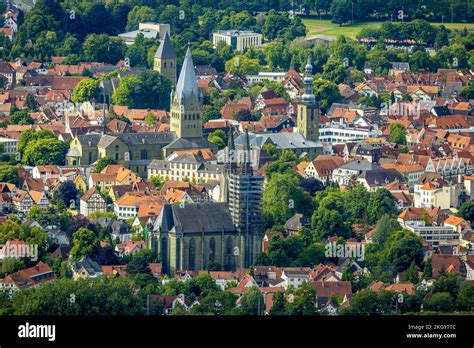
(325, 27)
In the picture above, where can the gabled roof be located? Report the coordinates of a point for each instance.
(89, 194)
(199, 217)
(332, 288)
(445, 263)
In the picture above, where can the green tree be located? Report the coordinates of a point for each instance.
(67, 193)
(439, 302)
(283, 197)
(411, 274)
(385, 226)
(9, 173)
(102, 48)
(405, 247)
(252, 302)
(468, 91)
(367, 302)
(279, 304)
(334, 71)
(86, 90)
(211, 113)
(102, 296)
(397, 134)
(380, 202)
(465, 299)
(466, 211)
(140, 14)
(45, 151)
(85, 242)
(219, 138)
(242, 65)
(340, 11)
(21, 117)
(326, 93)
(304, 302)
(147, 90)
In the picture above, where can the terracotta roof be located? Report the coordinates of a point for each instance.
(406, 288)
(336, 288)
(444, 262)
(36, 196)
(454, 220)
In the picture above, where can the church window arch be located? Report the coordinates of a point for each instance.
(212, 249)
(229, 246)
(192, 253)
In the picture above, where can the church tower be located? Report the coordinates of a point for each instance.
(103, 121)
(307, 118)
(165, 59)
(186, 101)
(242, 191)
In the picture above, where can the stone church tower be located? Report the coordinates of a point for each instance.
(165, 60)
(186, 103)
(307, 118)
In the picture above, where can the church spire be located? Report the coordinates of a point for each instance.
(231, 162)
(246, 166)
(187, 87)
(308, 97)
(165, 50)
(104, 119)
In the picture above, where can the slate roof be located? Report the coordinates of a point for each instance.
(184, 144)
(281, 140)
(381, 176)
(86, 262)
(187, 83)
(150, 138)
(360, 166)
(89, 140)
(199, 217)
(165, 50)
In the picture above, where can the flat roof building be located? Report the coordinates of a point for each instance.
(240, 40)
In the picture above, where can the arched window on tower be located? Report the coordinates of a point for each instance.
(143, 154)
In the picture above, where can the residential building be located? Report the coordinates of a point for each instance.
(85, 268)
(436, 193)
(91, 202)
(9, 145)
(186, 166)
(27, 278)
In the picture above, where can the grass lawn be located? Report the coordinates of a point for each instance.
(325, 27)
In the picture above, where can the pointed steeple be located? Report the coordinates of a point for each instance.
(231, 162)
(246, 166)
(165, 50)
(187, 85)
(308, 97)
(104, 119)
